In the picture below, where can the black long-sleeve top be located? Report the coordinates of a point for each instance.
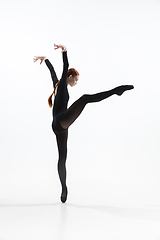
(62, 96)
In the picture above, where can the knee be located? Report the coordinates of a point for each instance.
(85, 97)
(62, 156)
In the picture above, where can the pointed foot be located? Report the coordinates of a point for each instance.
(64, 195)
(123, 88)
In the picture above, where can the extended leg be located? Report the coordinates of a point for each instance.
(77, 107)
(62, 149)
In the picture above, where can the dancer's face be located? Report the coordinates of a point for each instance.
(72, 81)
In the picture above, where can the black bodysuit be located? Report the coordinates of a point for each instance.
(62, 96)
(63, 117)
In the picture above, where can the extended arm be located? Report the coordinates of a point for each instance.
(51, 69)
(65, 68)
(63, 81)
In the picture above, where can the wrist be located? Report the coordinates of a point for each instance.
(64, 49)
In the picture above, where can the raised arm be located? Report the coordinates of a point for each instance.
(65, 63)
(53, 74)
(63, 81)
(49, 65)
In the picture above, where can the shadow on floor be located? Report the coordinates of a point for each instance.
(152, 213)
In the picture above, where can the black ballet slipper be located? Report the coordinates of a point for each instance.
(64, 196)
(120, 90)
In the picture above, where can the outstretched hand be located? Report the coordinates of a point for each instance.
(39, 58)
(64, 49)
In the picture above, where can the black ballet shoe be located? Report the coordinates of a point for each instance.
(120, 90)
(64, 196)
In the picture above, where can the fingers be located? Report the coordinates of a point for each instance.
(56, 46)
(38, 58)
(64, 49)
(35, 59)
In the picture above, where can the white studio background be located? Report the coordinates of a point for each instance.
(110, 43)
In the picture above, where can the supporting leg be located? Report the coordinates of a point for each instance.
(62, 149)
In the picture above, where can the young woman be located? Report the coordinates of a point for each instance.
(63, 117)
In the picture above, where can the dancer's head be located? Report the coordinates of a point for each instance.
(72, 77)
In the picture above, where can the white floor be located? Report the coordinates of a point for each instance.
(98, 207)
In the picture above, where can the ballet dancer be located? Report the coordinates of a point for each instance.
(63, 117)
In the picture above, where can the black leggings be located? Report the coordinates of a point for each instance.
(69, 117)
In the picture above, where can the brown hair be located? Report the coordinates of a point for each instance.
(72, 72)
